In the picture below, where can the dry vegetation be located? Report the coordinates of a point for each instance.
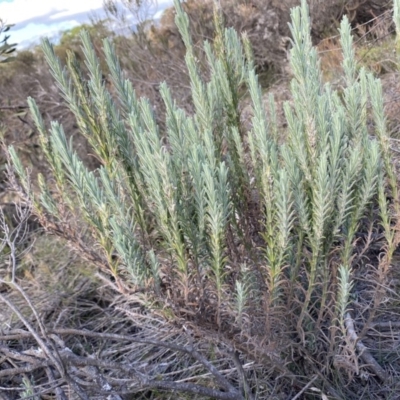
(76, 323)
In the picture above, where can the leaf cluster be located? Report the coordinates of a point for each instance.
(5, 48)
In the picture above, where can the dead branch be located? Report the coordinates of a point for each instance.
(90, 367)
(365, 355)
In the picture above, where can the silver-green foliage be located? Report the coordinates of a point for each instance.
(175, 197)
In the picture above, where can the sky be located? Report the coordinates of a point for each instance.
(36, 18)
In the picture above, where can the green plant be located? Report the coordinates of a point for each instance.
(28, 389)
(223, 228)
(5, 48)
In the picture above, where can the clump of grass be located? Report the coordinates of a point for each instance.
(379, 57)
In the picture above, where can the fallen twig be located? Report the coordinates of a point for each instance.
(305, 388)
(365, 355)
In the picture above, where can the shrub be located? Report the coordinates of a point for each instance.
(248, 239)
